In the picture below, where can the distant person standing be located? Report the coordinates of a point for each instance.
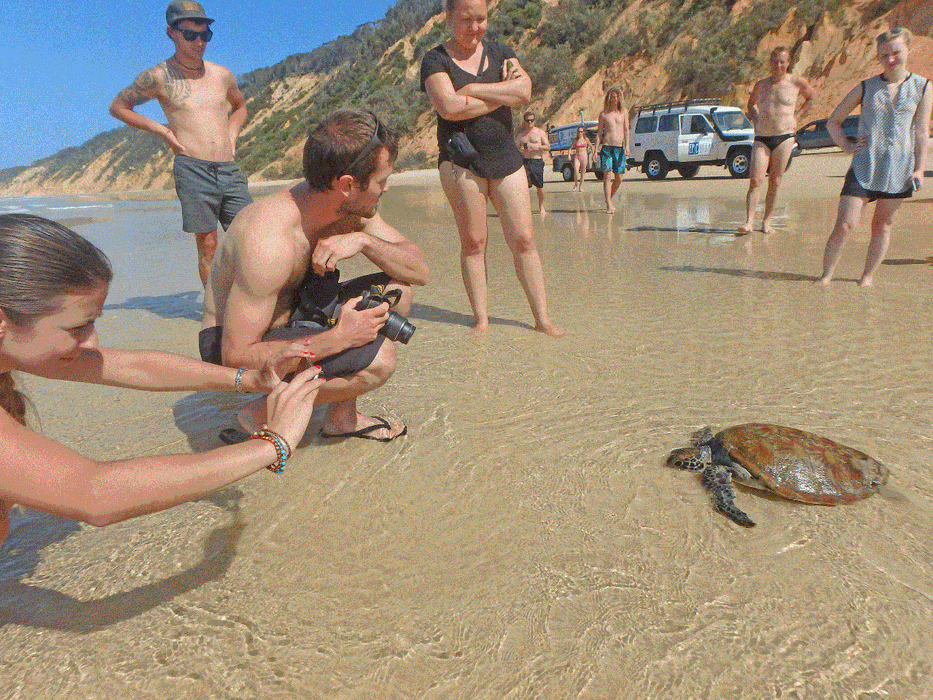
(773, 109)
(611, 143)
(205, 112)
(534, 144)
(890, 154)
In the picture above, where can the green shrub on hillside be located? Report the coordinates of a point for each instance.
(619, 46)
(429, 40)
(548, 67)
(512, 17)
(364, 46)
(397, 103)
(395, 62)
(572, 24)
(726, 55)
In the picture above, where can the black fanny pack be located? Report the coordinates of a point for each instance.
(461, 151)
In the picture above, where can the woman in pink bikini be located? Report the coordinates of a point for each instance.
(580, 149)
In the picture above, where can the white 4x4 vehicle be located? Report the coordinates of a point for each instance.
(685, 135)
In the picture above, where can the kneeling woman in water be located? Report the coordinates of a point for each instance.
(473, 84)
(53, 284)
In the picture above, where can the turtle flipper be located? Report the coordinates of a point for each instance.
(718, 481)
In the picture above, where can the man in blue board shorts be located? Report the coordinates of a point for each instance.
(611, 139)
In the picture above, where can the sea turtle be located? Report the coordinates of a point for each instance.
(791, 463)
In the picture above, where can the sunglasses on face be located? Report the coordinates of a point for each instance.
(530, 119)
(378, 139)
(191, 35)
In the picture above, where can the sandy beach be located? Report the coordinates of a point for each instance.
(526, 539)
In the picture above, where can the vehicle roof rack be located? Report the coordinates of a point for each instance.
(684, 104)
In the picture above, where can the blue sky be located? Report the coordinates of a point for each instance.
(62, 61)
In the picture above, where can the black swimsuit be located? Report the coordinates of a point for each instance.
(490, 134)
(773, 142)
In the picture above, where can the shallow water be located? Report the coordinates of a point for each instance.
(525, 540)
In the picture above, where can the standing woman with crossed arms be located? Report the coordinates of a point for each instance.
(473, 84)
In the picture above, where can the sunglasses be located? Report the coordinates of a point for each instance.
(892, 33)
(530, 119)
(191, 35)
(378, 139)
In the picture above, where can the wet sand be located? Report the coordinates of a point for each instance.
(525, 540)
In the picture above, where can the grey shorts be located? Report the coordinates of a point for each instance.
(209, 192)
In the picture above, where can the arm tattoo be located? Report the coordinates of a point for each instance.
(141, 90)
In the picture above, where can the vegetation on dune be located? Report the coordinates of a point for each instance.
(711, 47)
(365, 45)
(725, 53)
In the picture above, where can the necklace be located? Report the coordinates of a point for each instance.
(195, 70)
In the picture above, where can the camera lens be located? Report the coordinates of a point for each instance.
(397, 327)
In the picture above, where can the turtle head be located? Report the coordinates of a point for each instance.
(693, 459)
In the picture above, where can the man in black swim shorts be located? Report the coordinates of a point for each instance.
(772, 107)
(534, 143)
(279, 260)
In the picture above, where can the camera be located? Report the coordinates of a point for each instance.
(397, 327)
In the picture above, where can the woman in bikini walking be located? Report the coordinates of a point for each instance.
(580, 149)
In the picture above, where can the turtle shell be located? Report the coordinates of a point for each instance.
(802, 466)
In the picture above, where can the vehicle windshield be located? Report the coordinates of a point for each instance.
(731, 120)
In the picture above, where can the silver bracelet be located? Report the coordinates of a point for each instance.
(238, 380)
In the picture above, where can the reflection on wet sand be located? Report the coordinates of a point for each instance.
(525, 539)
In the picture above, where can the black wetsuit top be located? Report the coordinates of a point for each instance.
(490, 134)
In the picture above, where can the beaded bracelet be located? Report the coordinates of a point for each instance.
(282, 449)
(238, 380)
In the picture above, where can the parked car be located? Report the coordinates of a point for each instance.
(816, 135)
(562, 137)
(685, 135)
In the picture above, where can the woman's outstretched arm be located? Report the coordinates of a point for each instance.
(42, 474)
(152, 370)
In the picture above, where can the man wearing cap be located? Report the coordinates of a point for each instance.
(205, 112)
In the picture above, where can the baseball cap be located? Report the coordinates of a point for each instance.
(185, 9)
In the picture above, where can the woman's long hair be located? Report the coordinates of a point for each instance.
(40, 261)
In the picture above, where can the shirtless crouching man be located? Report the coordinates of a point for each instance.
(772, 107)
(286, 247)
(534, 144)
(612, 143)
(205, 112)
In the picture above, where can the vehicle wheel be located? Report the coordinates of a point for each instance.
(656, 166)
(739, 161)
(567, 172)
(599, 174)
(688, 170)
